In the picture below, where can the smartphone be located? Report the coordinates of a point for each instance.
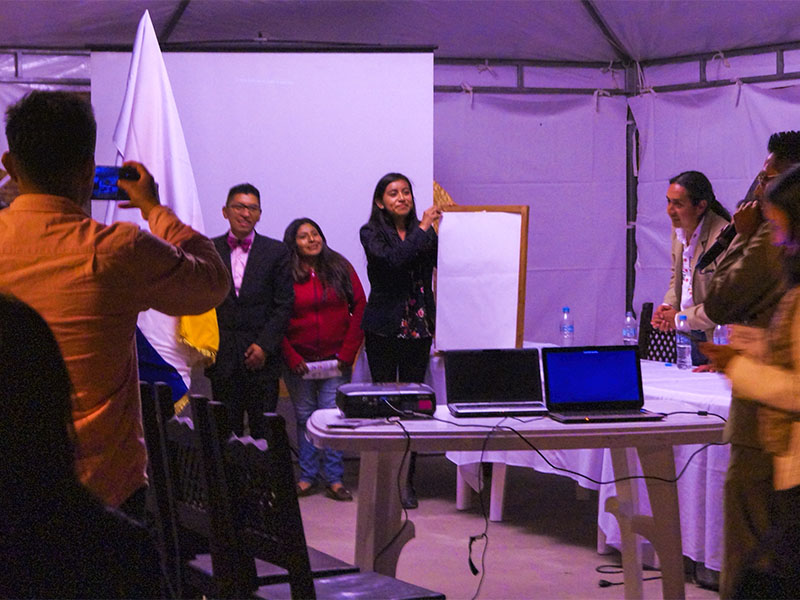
(105, 182)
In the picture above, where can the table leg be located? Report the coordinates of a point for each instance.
(498, 491)
(666, 524)
(624, 506)
(379, 513)
(467, 479)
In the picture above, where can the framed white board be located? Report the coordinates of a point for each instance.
(480, 281)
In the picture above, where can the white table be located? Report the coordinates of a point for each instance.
(382, 446)
(700, 488)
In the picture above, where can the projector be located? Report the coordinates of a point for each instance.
(370, 400)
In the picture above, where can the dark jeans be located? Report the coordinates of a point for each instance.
(397, 359)
(247, 392)
(780, 548)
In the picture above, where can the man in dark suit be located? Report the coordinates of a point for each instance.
(253, 318)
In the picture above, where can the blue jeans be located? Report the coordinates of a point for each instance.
(307, 396)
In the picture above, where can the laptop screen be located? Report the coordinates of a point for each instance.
(488, 375)
(592, 378)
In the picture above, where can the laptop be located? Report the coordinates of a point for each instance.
(494, 383)
(592, 384)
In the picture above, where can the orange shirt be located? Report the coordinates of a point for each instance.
(89, 282)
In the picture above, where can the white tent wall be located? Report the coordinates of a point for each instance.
(532, 149)
(565, 158)
(722, 132)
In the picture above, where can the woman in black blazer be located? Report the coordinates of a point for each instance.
(400, 315)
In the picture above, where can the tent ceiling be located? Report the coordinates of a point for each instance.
(511, 29)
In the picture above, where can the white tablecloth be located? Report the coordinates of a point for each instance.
(699, 489)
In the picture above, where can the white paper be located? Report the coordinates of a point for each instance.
(477, 282)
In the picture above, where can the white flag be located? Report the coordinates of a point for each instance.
(149, 131)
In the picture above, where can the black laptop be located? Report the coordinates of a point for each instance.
(494, 383)
(594, 384)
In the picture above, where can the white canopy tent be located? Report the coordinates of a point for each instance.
(531, 106)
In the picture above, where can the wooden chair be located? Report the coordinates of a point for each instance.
(256, 492)
(198, 552)
(655, 344)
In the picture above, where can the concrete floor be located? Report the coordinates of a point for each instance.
(545, 547)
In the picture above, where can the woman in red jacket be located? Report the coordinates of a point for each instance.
(321, 343)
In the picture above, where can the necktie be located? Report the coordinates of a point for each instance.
(234, 242)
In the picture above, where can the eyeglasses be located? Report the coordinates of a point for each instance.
(763, 179)
(245, 207)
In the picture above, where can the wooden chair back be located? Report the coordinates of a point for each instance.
(159, 497)
(255, 485)
(182, 500)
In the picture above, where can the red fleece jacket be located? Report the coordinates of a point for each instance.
(323, 327)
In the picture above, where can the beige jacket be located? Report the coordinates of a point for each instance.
(712, 225)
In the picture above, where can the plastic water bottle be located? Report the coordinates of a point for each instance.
(683, 343)
(630, 330)
(567, 327)
(721, 335)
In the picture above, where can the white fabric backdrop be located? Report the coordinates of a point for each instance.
(565, 158)
(314, 132)
(722, 132)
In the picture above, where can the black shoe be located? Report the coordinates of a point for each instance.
(311, 489)
(341, 494)
(408, 497)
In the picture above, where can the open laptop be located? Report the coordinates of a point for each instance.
(494, 383)
(594, 384)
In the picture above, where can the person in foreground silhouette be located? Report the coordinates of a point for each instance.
(57, 540)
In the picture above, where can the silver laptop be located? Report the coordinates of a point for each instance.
(494, 383)
(591, 384)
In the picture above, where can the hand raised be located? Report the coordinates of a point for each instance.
(431, 215)
(142, 192)
(747, 218)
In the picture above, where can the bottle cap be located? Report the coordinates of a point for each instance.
(565, 309)
(681, 317)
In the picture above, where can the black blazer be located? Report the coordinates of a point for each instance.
(390, 264)
(261, 311)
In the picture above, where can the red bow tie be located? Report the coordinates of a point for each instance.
(234, 242)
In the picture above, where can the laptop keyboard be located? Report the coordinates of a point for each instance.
(496, 405)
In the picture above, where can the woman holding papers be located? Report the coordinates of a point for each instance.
(321, 344)
(774, 384)
(399, 318)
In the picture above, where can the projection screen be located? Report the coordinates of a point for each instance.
(313, 131)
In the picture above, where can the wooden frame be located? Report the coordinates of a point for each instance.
(523, 211)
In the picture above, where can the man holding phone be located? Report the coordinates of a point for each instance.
(89, 281)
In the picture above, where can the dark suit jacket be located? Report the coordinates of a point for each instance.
(390, 263)
(261, 311)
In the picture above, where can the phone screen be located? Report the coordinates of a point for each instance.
(105, 184)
